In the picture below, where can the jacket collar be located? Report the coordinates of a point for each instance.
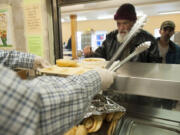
(172, 46)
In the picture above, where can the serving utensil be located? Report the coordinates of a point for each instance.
(139, 49)
(134, 30)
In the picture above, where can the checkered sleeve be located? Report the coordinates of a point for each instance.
(14, 59)
(46, 105)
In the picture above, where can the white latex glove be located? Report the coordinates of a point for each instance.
(39, 62)
(107, 78)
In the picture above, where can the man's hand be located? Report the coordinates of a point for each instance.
(39, 62)
(87, 51)
(107, 78)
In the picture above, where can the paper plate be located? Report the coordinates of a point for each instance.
(63, 71)
(93, 59)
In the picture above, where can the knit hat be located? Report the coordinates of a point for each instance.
(168, 24)
(126, 11)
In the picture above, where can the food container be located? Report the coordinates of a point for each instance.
(102, 118)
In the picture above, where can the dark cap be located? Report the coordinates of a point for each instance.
(168, 24)
(126, 11)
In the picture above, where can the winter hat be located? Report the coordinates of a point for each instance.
(126, 11)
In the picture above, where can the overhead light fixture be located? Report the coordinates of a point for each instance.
(170, 12)
(105, 17)
(81, 18)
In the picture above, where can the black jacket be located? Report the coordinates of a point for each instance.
(173, 54)
(111, 45)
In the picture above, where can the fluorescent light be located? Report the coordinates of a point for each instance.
(81, 18)
(105, 17)
(112, 16)
(171, 12)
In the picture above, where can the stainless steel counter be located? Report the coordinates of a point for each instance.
(149, 79)
(151, 95)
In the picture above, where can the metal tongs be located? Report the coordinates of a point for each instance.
(134, 30)
(139, 49)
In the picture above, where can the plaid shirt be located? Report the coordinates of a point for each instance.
(46, 105)
(14, 59)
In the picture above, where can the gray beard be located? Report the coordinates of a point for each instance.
(121, 37)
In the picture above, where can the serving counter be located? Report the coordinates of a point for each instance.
(151, 94)
(148, 79)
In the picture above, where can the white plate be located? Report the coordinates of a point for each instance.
(94, 59)
(63, 71)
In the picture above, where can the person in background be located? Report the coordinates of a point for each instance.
(168, 50)
(170, 53)
(69, 47)
(46, 105)
(125, 18)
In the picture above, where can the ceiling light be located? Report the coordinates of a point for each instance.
(171, 12)
(81, 18)
(105, 17)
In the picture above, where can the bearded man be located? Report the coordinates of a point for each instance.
(125, 18)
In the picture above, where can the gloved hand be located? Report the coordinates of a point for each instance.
(107, 78)
(39, 62)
